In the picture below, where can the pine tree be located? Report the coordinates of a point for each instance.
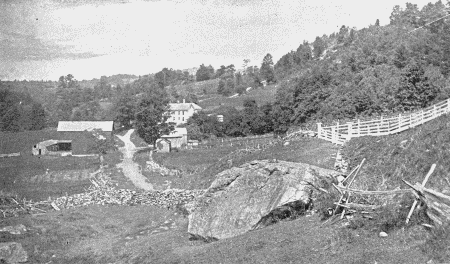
(267, 71)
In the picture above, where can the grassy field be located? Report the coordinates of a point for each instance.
(261, 95)
(199, 166)
(35, 178)
(146, 234)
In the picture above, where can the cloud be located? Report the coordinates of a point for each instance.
(20, 47)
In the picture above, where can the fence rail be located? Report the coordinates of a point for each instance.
(340, 133)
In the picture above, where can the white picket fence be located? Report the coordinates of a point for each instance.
(340, 133)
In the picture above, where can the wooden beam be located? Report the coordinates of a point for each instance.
(423, 185)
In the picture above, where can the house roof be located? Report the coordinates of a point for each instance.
(178, 132)
(106, 126)
(183, 106)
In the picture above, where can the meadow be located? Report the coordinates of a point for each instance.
(200, 165)
(37, 178)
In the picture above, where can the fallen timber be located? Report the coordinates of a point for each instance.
(438, 204)
(388, 192)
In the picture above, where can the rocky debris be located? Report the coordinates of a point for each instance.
(153, 166)
(340, 164)
(12, 253)
(14, 230)
(101, 192)
(241, 198)
(300, 134)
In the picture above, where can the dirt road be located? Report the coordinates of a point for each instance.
(129, 167)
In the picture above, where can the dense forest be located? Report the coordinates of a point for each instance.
(377, 70)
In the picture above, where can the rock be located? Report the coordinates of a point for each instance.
(14, 230)
(12, 252)
(242, 198)
(383, 234)
(286, 143)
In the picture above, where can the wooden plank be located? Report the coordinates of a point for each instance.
(433, 166)
(390, 192)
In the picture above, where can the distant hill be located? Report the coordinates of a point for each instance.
(117, 79)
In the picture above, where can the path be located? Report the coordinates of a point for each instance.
(129, 167)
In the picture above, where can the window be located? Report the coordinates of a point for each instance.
(183, 118)
(178, 118)
(173, 118)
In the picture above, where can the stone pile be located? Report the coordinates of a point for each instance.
(101, 192)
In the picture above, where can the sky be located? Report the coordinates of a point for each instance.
(45, 39)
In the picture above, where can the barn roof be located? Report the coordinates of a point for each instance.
(184, 106)
(106, 126)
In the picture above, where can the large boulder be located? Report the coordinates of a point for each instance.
(241, 197)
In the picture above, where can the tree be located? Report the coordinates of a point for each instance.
(415, 91)
(151, 115)
(377, 23)
(37, 117)
(267, 71)
(125, 110)
(103, 89)
(318, 47)
(204, 73)
(10, 119)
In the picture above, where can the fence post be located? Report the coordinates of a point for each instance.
(333, 135)
(399, 121)
(359, 128)
(434, 111)
(319, 130)
(448, 105)
(349, 130)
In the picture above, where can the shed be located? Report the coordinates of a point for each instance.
(178, 137)
(163, 145)
(53, 147)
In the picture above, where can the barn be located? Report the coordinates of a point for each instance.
(74, 138)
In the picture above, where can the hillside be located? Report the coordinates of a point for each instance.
(262, 95)
(407, 155)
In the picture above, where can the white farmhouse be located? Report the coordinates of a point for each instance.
(181, 112)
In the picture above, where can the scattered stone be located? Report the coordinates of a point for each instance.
(14, 230)
(383, 234)
(286, 143)
(12, 252)
(249, 197)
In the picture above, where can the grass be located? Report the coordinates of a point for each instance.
(199, 166)
(392, 159)
(408, 155)
(146, 234)
(35, 178)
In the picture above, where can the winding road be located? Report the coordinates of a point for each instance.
(129, 167)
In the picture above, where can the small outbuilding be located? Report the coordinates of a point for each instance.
(163, 145)
(177, 138)
(53, 147)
